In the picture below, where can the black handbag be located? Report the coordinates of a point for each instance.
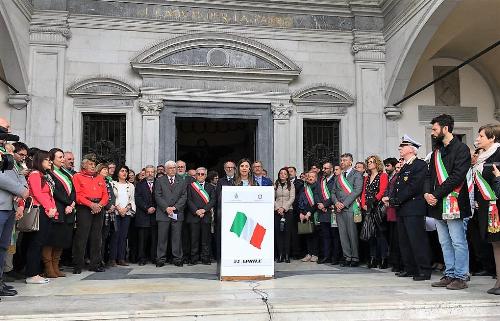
(306, 227)
(30, 222)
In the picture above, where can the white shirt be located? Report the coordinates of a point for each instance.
(122, 195)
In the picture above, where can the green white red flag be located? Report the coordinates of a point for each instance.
(451, 210)
(249, 230)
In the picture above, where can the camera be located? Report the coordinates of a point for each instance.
(7, 160)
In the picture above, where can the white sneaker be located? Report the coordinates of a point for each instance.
(37, 279)
(306, 258)
(314, 258)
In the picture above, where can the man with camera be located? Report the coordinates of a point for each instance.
(10, 187)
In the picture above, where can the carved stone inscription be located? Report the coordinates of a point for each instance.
(208, 15)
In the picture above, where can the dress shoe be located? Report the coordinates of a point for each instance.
(323, 260)
(492, 290)
(421, 277)
(354, 264)
(142, 262)
(497, 291)
(314, 258)
(345, 263)
(97, 269)
(405, 274)
(279, 259)
(442, 283)
(77, 270)
(178, 263)
(457, 284)
(383, 264)
(396, 269)
(112, 263)
(482, 273)
(5, 286)
(122, 263)
(287, 259)
(206, 262)
(5, 292)
(160, 263)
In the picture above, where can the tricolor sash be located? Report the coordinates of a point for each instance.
(470, 180)
(325, 192)
(201, 191)
(451, 210)
(489, 195)
(65, 181)
(347, 188)
(309, 195)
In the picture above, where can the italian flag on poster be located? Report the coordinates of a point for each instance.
(249, 230)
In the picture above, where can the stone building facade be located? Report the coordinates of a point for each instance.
(286, 82)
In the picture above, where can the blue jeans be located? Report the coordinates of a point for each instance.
(118, 245)
(453, 241)
(7, 221)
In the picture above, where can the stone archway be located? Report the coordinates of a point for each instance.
(399, 78)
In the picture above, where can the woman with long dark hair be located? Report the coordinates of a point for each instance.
(124, 192)
(41, 186)
(61, 234)
(243, 175)
(284, 195)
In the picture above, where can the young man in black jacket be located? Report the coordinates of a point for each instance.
(447, 195)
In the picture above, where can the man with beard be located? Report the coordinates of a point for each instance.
(447, 195)
(394, 252)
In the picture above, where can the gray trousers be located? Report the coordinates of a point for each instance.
(348, 235)
(163, 237)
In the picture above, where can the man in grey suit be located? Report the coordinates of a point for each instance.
(170, 196)
(346, 190)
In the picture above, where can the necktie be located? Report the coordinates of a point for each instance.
(171, 180)
(150, 186)
(345, 174)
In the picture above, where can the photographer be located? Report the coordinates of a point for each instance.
(10, 187)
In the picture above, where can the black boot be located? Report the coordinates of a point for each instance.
(287, 258)
(280, 259)
(383, 264)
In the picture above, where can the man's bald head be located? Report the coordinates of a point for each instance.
(5, 124)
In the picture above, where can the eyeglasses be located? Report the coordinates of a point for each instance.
(47, 159)
(201, 174)
(181, 166)
(370, 162)
(22, 155)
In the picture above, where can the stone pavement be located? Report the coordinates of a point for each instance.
(300, 291)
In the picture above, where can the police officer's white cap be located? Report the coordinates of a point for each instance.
(407, 140)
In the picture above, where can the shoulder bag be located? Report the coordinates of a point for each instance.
(30, 222)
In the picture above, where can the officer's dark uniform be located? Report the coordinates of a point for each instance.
(407, 197)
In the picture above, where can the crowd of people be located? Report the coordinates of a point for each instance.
(411, 215)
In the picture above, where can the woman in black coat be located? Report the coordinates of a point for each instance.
(489, 223)
(61, 234)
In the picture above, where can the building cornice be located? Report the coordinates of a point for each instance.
(26, 7)
(394, 24)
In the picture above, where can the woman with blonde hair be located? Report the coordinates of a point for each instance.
(374, 186)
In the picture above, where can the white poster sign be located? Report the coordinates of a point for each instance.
(247, 232)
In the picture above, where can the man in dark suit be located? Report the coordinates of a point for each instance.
(170, 195)
(145, 217)
(346, 190)
(407, 197)
(446, 192)
(228, 180)
(297, 245)
(332, 248)
(258, 174)
(200, 203)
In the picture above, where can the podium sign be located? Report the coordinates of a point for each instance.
(247, 233)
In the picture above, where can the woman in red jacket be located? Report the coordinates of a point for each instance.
(40, 186)
(374, 186)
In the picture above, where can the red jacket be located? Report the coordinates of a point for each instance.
(42, 196)
(384, 182)
(90, 186)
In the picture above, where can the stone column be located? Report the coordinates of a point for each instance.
(281, 119)
(150, 109)
(49, 35)
(369, 59)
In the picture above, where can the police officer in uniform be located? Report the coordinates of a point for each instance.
(407, 197)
